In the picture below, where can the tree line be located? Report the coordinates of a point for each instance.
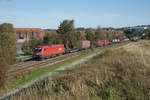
(67, 34)
(131, 33)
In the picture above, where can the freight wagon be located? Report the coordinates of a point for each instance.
(83, 44)
(47, 51)
(101, 42)
(115, 41)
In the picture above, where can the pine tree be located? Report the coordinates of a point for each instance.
(66, 31)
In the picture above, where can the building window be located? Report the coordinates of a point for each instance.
(20, 35)
(26, 35)
(37, 34)
(32, 34)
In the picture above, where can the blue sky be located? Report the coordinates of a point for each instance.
(86, 13)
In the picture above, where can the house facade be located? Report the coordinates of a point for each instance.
(25, 34)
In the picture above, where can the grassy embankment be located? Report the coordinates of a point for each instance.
(22, 78)
(114, 75)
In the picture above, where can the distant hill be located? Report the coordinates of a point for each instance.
(138, 27)
(49, 29)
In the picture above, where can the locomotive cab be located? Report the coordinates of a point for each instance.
(38, 52)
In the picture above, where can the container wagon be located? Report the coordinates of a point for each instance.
(83, 44)
(101, 42)
(106, 42)
(115, 41)
(47, 51)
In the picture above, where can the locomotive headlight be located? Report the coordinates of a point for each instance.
(60, 49)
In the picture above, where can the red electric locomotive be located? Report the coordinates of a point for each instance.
(46, 51)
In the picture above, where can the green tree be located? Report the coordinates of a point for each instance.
(7, 50)
(109, 36)
(89, 34)
(51, 39)
(120, 36)
(8, 42)
(79, 36)
(8, 46)
(6, 27)
(147, 34)
(130, 33)
(99, 34)
(29, 46)
(3, 69)
(66, 31)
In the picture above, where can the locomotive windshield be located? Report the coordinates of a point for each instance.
(38, 49)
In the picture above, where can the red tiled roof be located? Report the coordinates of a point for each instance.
(28, 29)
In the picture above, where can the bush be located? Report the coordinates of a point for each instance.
(28, 46)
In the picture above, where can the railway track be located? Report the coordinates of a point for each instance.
(24, 66)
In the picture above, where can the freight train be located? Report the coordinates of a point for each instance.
(48, 51)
